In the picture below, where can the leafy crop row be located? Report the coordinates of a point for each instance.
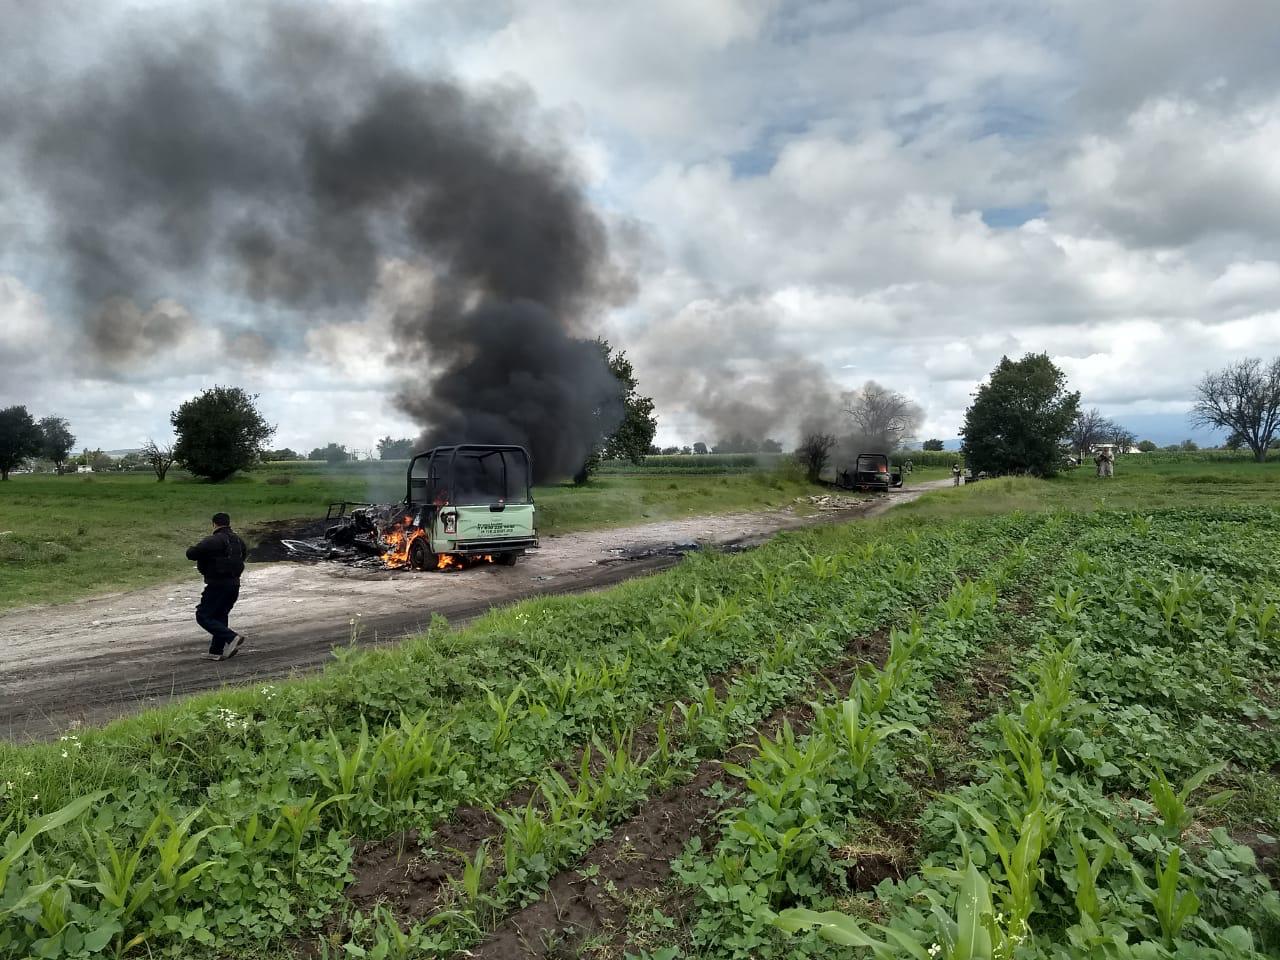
(1095, 823)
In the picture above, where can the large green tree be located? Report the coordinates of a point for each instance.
(20, 439)
(56, 442)
(219, 432)
(634, 434)
(1020, 417)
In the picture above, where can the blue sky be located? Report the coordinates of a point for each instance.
(902, 191)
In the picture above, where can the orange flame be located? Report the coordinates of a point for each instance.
(398, 540)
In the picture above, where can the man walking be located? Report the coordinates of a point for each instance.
(220, 559)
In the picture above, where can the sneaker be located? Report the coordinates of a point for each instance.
(212, 656)
(232, 646)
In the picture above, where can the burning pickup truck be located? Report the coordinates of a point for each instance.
(465, 503)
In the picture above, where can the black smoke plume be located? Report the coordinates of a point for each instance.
(284, 158)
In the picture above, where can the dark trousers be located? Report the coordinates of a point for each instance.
(214, 609)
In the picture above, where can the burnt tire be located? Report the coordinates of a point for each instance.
(506, 559)
(420, 556)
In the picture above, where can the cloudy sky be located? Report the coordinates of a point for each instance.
(894, 190)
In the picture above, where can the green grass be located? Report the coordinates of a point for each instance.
(1141, 482)
(63, 538)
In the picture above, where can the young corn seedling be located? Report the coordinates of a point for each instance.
(16, 846)
(176, 867)
(780, 850)
(972, 934)
(410, 758)
(1173, 905)
(505, 716)
(344, 772)
(472, 880)
(1173, 807)
(1087, 899)
(1020, 856)
(857, 732)
(1068, 604)
(819, 566)
(299, 817)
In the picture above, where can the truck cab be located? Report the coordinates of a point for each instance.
(471, 499)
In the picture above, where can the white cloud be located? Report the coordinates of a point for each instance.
(887, 190)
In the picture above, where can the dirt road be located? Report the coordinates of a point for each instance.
(95, 659)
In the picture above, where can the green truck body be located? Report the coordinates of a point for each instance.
(471, 500)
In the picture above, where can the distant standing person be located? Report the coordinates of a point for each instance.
(220, 559)
(955, 474)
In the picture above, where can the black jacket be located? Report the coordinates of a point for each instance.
(219, 556)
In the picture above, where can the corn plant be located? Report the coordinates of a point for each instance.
(857, 731)
(1068, 604)
(1019, 855)
(473, 869)
(1087, 871)
(1173, 905)
(16, 845)
(776, 852)
(819, 566)
(971, 934)
(784, 769)
(1172, 807)
(349, 770)
(299, 817)
(411, 756)
(775, 584)
(505, 715)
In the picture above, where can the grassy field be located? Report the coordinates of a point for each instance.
(62, 538)
(1019, 719)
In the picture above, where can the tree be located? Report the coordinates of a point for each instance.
(882, 418)
(1019, 418)
(284, 453)
(932, 445)
(20, 439)
(631, 438)
(1087, 430)
(669, 451)
(814, 452)
(1148, 446)
(737, 443)
(1188, 446)
(700, 448)
(1122, 438)
(219, 432)
(97, 460)
(687, 450)
(402, 449)
(56, 442)
(1243, 398)
(331, 453)
(769, 445)
(159, 456)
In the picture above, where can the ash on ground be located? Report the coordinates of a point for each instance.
(353, 538)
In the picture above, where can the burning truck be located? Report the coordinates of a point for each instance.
(463, 504)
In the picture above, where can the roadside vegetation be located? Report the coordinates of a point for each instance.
(1024, 718)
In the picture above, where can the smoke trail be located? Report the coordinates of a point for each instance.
(285, 158)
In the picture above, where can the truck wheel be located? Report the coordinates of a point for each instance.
(506, 559)
(420, 556)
